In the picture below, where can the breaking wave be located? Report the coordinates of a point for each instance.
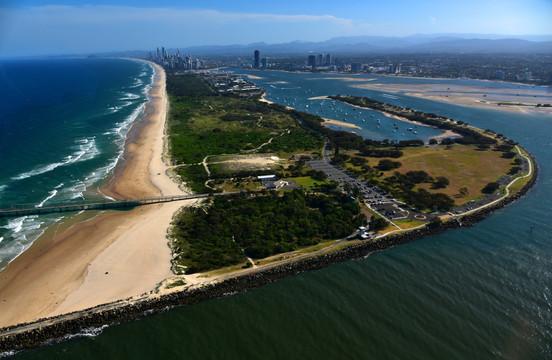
(51, 194)
(85, 149)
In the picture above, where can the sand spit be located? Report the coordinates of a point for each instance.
(344, 124)
(523, 98)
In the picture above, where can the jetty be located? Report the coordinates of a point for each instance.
(29, 209)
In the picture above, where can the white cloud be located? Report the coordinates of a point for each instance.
(102, 14)
(57, 28)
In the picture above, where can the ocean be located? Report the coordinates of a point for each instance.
(482, 292)
(63, 124)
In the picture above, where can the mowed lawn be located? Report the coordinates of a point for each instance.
(464, 166)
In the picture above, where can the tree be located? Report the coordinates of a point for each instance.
(377, 223)
(490, 188)
(440, 182)
(385, 165)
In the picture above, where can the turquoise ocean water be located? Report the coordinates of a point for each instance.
(62, 128)
(474, 293)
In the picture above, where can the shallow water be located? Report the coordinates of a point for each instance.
(478, 293)
(62, 127)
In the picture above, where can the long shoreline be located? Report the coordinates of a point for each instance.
(111, 255)
(44, 331)
(78, 311)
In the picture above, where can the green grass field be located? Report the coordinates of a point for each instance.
(463, 165)
(306, 182)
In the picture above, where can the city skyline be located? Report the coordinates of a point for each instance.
(41, 27)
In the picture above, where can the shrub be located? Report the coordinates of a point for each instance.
(490, 188)
(386, 165)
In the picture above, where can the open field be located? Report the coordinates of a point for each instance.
(235, 164)
(467, 168)
(307, 182)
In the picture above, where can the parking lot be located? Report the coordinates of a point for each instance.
(373, 196)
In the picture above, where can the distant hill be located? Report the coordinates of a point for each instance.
(383, 44)
(437, 43)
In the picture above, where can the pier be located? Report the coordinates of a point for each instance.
(27, 209)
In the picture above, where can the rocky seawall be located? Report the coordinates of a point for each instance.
(49, 330)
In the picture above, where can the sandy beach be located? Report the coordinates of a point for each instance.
(340, 123)
(524, 98)
(93, 259)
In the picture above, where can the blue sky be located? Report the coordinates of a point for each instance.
(32, 27)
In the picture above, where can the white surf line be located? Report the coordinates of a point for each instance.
(507, 187)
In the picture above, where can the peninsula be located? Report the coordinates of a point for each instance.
(301, 195)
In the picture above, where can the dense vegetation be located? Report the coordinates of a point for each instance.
(402, 186)
(203, 123)
(490, 188)
(187, 85)
(235, 227)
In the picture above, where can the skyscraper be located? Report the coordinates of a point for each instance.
(256, 59)
(312, 61)
(263, 63)
(328, 60)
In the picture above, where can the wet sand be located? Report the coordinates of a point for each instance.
(90, 260)
(340, 123)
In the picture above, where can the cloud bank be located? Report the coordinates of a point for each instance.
(82, 29)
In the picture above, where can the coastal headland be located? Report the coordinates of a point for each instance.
(109, 283)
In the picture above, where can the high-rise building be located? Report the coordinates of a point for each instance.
(263, 63)
(328, 60)
(311, 61)
(319, 60)
(356, 67)
(398, 69)
(256, 59)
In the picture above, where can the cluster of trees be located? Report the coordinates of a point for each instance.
(514, 170)
(235, 227)
(377, 223)
(386, 165)
(402, 186)
(412, 178)
(188, 85)
(490, 188)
